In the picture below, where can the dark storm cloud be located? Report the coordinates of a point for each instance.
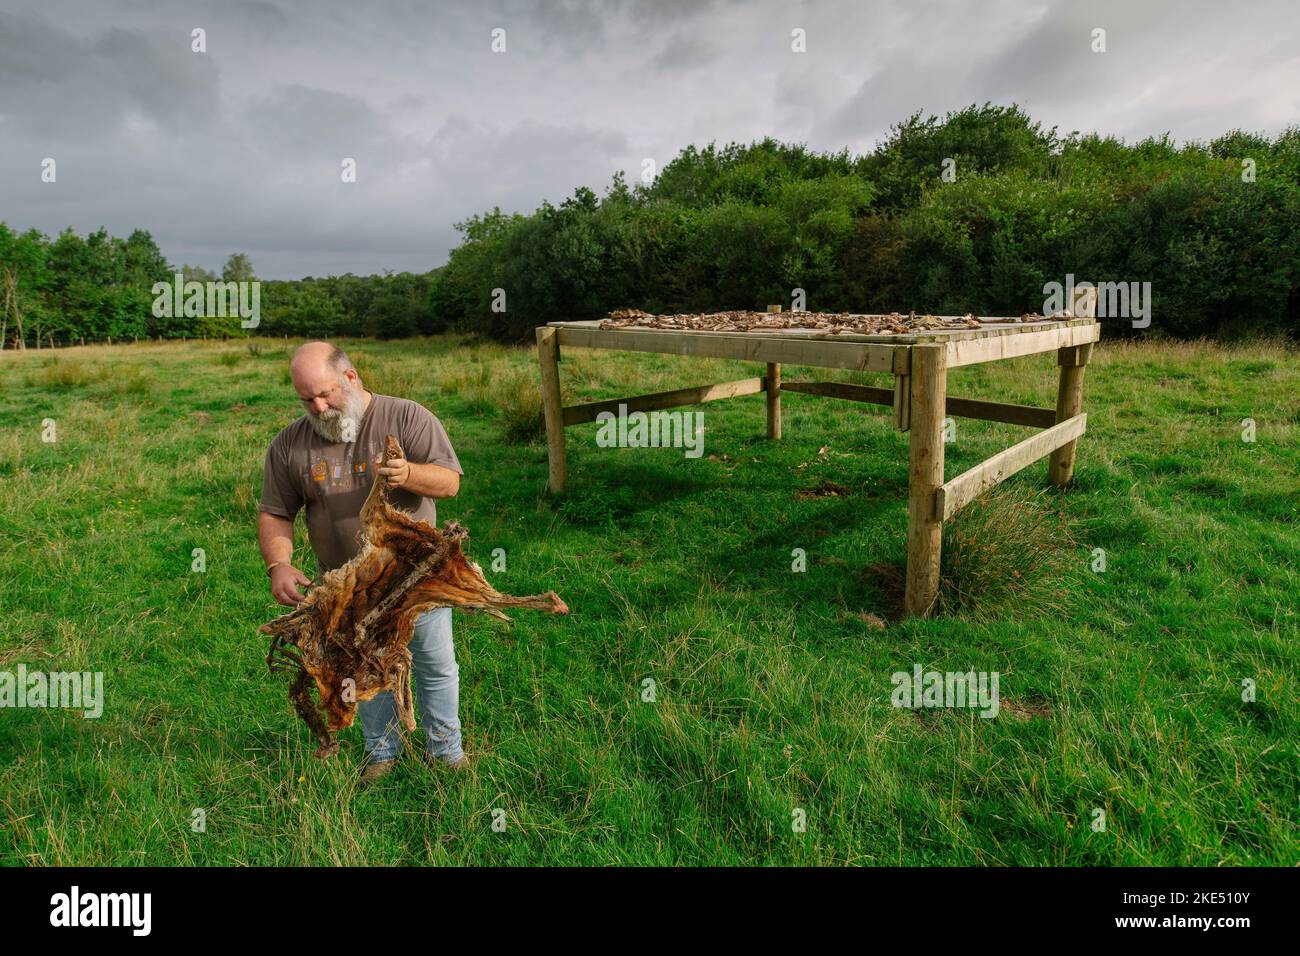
(63, 87)
(239, 148)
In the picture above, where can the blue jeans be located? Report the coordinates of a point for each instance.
(437, 685)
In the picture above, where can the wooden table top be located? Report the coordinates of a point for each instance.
(989, 327)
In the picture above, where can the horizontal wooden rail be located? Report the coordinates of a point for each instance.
(853, 393)
(959, 407)
(966, 487)
(577, 414)
(1001, 412)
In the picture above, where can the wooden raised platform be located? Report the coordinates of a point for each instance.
(919, 363)
(997, 339)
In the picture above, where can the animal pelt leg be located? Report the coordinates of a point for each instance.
(402, 693)
(300, 694)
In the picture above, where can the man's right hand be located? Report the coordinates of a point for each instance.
(284, 584)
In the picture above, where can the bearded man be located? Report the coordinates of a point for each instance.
(325, 462)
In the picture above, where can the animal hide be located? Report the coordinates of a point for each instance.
(355, 624)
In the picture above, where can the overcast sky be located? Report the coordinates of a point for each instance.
(239, 148)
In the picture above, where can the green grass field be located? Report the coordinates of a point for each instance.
(1120, 691)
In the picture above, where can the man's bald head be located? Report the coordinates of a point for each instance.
(319, 357)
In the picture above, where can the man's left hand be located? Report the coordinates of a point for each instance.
(396, 473)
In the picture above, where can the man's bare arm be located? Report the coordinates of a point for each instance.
(428, 480)
(275, 538)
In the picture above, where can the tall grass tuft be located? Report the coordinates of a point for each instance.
(475, 382)
(1007, 553)
(520, 403)
(63, 372)
(131, 380)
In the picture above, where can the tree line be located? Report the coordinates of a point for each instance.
(99, 288)
(972, 212)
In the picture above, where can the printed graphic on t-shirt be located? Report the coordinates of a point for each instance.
(333, 473)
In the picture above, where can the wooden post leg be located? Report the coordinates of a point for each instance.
(773, 392)
(925, 476)
(548, 356)
(773, 400)
(1069, 402)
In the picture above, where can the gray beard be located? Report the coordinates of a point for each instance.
(341, 425)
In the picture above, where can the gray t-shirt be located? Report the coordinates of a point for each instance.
(333, 479)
